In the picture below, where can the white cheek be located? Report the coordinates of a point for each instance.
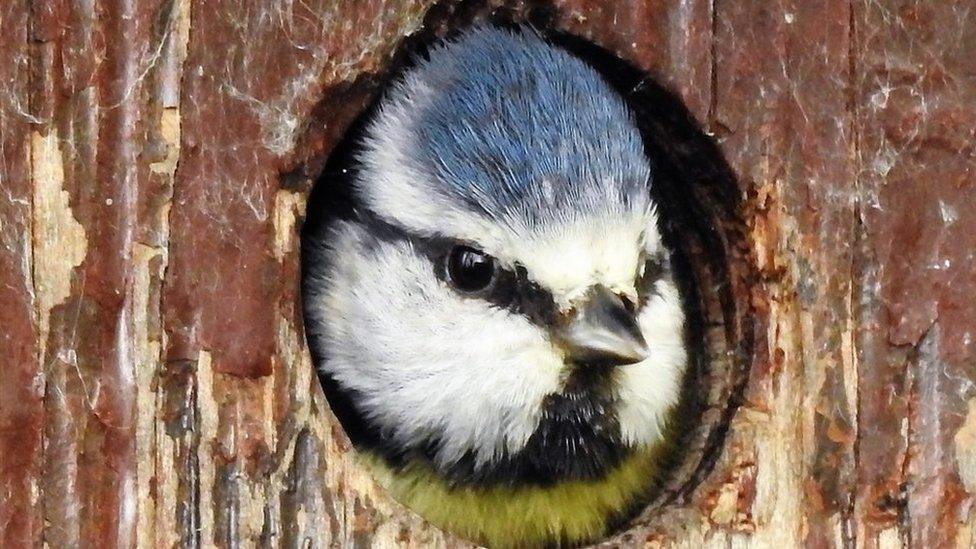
(430, 363)
(649, 389)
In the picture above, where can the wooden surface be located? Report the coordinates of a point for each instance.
(156, 158)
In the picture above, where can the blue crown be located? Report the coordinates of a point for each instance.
(514, 128)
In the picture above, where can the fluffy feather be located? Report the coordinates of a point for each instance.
(497, 138)
(569, 512)
(505, 143)
(429, 363)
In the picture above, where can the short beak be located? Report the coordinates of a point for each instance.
(603, 331)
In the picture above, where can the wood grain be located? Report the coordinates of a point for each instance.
(156, 159)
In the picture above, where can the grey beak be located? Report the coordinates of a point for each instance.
(603, 331)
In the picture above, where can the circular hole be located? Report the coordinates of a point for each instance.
(697, 201)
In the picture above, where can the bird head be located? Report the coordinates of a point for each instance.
(501, 304)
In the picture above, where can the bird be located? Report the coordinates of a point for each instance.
(493, 313)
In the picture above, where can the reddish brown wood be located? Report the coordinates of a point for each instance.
(89, 99)
(782, 114)
(155, 389)
(21, 383)
(915, 101)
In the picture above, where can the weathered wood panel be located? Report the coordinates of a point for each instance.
(21, 383)
(156, 158)
(915, 99)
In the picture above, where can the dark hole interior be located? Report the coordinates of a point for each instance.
(699, 204)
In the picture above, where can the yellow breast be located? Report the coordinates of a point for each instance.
(568, 512)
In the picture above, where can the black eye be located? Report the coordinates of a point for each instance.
(470, 270)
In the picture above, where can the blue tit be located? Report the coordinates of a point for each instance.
(494, 317)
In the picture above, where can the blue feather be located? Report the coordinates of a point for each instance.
(507, 112)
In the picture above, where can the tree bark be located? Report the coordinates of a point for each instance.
(155, 387)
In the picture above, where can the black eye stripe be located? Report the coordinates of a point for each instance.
(656, 267)
(512, 289)
(519, 294)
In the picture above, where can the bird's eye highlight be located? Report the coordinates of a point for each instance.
(470, 270)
